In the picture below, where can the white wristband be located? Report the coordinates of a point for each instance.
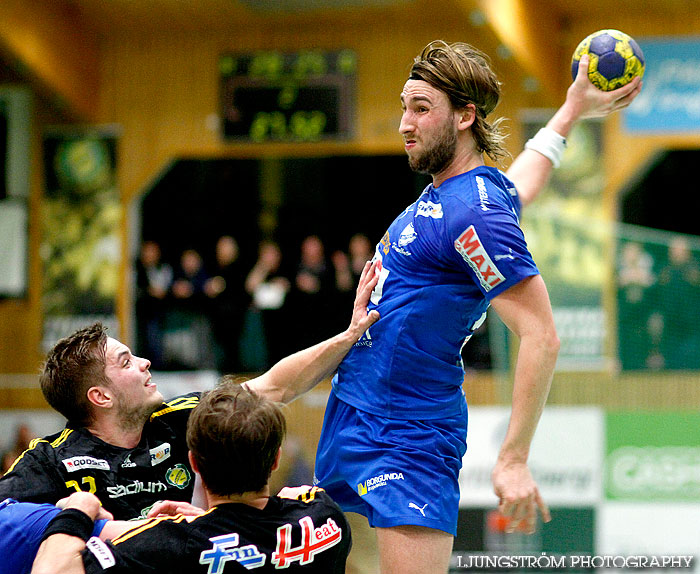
(549, 143)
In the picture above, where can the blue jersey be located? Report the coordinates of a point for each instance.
(22, 525)
(441, 262)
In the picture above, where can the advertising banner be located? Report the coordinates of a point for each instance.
(565, 458)
(81, 217)
(649, 528)
(568, 236)
(670, 100)
(653, 457)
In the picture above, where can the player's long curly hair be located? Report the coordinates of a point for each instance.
(234, 436)
(465, 75)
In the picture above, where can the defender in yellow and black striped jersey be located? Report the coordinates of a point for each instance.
(306, 533)
(127, 481)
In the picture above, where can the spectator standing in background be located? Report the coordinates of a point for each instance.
(348, 268)
(229, 301)
(188, 342)
(679, 281)
(268, 287)
(635, 280)
(154, 278)
(23, 436)
(310, 298)
(360, 250)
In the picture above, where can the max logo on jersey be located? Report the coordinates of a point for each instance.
(469, 246)
(81, 462)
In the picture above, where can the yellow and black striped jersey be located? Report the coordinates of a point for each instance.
(308, 533)
(127, 481)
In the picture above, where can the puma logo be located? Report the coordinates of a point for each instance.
(418, 508)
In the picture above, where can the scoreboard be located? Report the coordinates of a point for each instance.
(303, 96)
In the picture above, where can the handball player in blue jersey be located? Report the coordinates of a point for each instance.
(395, 428)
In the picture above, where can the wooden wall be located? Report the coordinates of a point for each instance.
(161, 87)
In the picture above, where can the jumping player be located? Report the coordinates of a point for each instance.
(122, 442)
(395, 427)
(234, 438)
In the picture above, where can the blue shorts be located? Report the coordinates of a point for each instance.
(394, 472)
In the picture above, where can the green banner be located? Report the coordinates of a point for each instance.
(568, 235)
(81, 218)
(653, 456)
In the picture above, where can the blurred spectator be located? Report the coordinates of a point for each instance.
(187, 339)
(312, 275)
(190, 279)
(637, 324)
(23, 436)
(153, 281)
(360, 250)
(268, 287)
(344, 278)
(680, 282)
(229, 302)
(347, 269)
(635, 274)
(310, 301)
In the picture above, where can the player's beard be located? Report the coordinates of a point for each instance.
(134, 416)
(439, 155)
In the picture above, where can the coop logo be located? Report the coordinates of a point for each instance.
(483, 196)
(226, 549)
(376, 481)
(81, 462)
(160, 453)
(649, 472)
(429, 209)
(135, 487)
(178, 476)
(469, 246)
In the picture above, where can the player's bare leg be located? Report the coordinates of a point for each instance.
(414, 550)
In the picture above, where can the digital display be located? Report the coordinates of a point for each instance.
(297, 97)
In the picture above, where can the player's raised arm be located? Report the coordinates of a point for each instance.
(531, 170)
(300, 372)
